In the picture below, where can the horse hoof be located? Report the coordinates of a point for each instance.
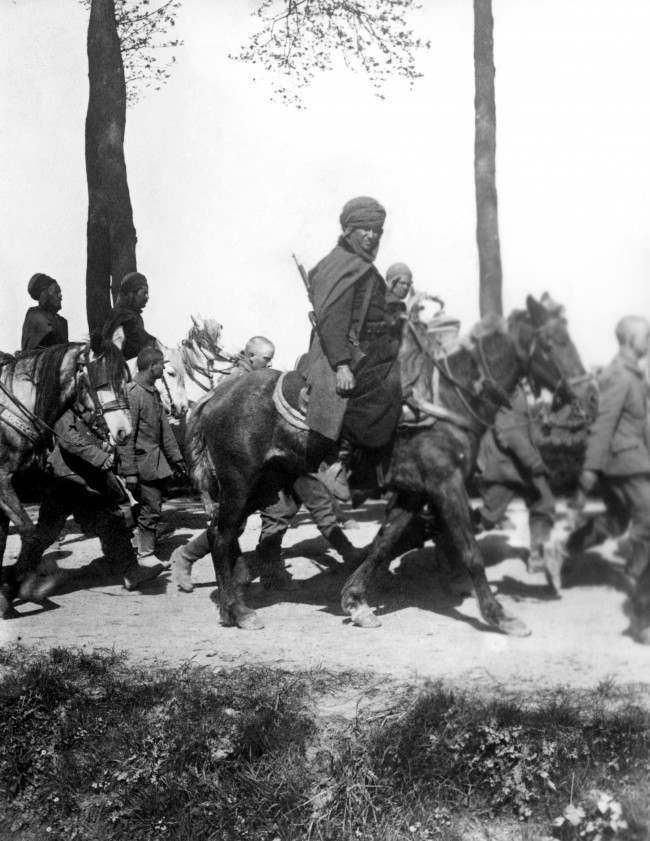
(365, 618)
(513, 627)
(250, 622)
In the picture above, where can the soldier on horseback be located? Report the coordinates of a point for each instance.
(124, 326)
(351, 368)
(43, 326)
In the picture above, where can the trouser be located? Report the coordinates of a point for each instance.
(538, 498)
(150, 499)
(278, 513)
(627, 503)
(92, 513)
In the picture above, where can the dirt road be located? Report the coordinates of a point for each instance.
(427, 632)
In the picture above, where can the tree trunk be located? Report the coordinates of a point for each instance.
(111, 235)
(487, 221)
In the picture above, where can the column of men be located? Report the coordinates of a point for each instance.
(355, 310)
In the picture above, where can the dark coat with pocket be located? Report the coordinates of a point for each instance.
(151, 448)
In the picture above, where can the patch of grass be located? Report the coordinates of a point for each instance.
(94, 748)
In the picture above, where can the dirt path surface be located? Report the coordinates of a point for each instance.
(427, 631)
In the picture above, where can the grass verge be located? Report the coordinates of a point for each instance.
(94, 748)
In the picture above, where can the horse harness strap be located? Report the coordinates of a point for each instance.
(436, 409)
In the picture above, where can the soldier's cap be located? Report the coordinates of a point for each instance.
(362, 212)
(131, 282)
(38, 283)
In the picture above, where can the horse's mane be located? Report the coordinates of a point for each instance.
(112, 366)
(43, 368)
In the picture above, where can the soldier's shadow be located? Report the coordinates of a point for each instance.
(590, 569)
(96, 574)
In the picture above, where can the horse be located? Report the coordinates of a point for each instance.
(191, 369)
(238, 440)
(36, 388)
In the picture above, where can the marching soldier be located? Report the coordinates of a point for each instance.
(43, 326)
(150, 455)
(511, 465)
(617, 452)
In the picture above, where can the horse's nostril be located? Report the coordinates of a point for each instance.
(121, 436)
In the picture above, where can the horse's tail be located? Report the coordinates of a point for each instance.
(199, 460)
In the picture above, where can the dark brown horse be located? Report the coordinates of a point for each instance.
(241, 445)
(36, 388)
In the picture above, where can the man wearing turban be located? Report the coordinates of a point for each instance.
(43, 326)
(351, 367)
(124, 326)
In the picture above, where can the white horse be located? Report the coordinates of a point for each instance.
(192, 369)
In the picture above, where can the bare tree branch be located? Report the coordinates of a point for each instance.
(297, 38)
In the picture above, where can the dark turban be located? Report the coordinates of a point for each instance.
(362, 212)
(131, 282)
(398, 271)
(38, 283)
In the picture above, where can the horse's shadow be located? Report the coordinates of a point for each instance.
(422, 579)
(590, 569)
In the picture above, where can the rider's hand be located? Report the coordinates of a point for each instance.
(344, 379)
(131, 483)
(588, 480)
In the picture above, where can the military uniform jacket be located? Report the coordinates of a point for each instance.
(508, 449)
(80, 457)
(617, 443)
(43, 328)
(151, 448)
(135, 336)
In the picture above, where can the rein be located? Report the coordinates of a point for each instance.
(39, 428)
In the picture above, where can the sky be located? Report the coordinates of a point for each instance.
(226, 184)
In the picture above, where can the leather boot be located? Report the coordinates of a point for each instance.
(350, 554)
(184, 556)
(146, 549)
(273, 575)
(137, 574)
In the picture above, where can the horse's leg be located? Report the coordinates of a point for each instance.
(353, 595)
(228, 567)
(449, 498)
(5, 598)
(12, 507)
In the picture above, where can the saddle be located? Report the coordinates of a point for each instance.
(290, 398)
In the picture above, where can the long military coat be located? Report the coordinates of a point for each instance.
(151, 448)
(618, 444)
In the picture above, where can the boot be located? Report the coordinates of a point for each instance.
(636, 559)
(138, 573)
(146, 549)
(184, 556)
(350, 554)
(273, 575)
(540, 534)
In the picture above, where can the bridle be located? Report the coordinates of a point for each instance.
(197, 342)
(540, 348)
(35, 429)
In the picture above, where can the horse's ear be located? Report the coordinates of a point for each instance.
(97, 343)
(537, 312)
(194, 321)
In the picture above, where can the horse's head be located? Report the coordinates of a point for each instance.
(549, 356)
(171, 385)
(201, 351)
(101, 380)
